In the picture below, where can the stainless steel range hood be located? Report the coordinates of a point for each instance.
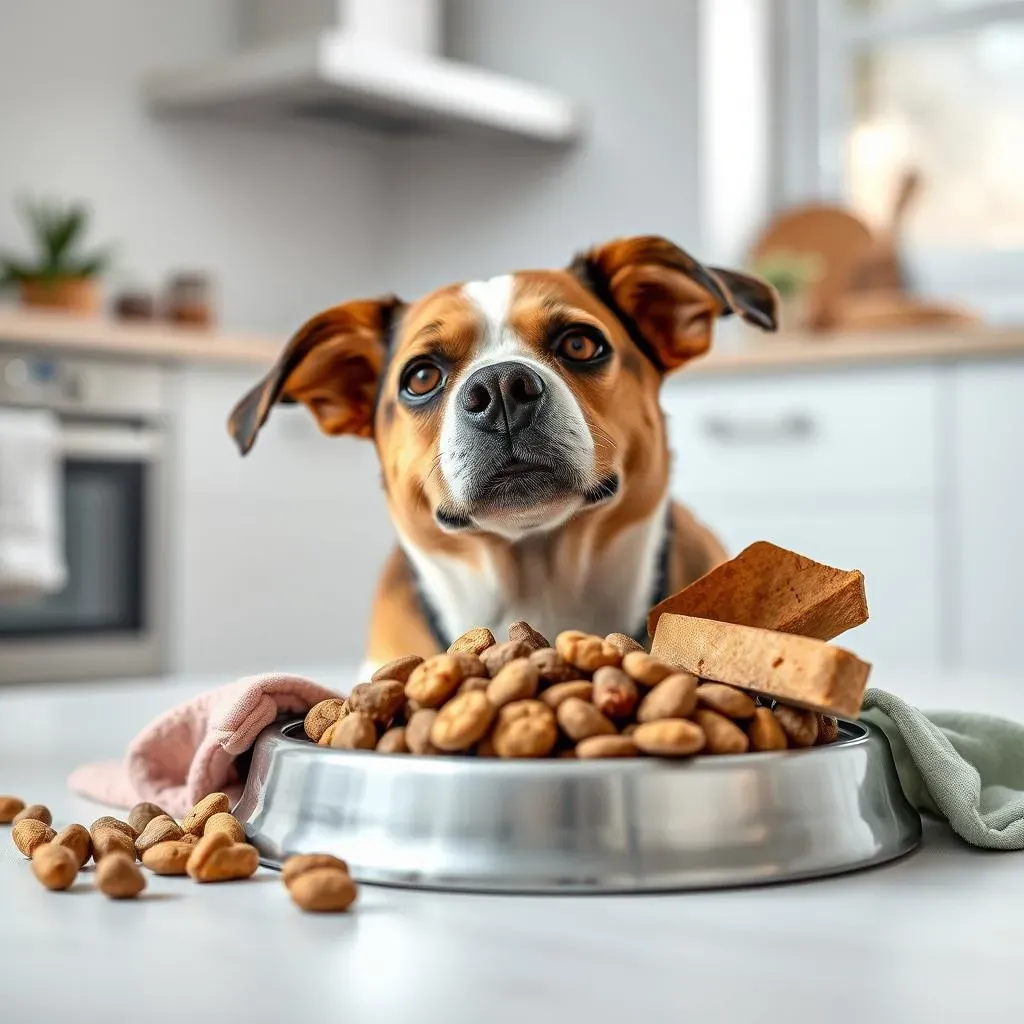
(375, 63)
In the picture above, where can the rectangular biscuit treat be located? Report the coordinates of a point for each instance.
(773, 588)
(796, 669)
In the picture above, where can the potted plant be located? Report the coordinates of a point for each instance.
(791, 274)
(61, 274)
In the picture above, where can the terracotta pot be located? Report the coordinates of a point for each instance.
(70, 294)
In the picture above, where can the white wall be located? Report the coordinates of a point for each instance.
(286, 226)
(468, 209)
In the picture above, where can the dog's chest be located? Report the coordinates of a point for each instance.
(599, 591)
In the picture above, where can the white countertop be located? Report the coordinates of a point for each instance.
(936, 936)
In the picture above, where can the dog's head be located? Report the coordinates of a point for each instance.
(511, 404)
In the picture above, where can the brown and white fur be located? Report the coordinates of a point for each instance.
(521, 440)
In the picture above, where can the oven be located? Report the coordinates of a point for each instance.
(109, 618)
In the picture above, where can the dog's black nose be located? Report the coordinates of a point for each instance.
(502, 396)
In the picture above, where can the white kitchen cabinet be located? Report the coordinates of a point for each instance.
(844, 467)
(277, 553)
(897, 550)
(987, 543)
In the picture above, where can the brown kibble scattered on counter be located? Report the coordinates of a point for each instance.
(161, 829)
(76, 838)
(30, 833)
(210, 805)
(170, 858)
(55, 866)
(227, 823)
(319, 883)
(119, 877)
(35, 812)
(10, 806)
(142, 814)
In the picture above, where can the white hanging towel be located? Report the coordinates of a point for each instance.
(32, 561)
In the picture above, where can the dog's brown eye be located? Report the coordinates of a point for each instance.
(422, 378)
(580, 348)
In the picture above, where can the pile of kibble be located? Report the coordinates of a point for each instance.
(208, 845)
(586, 696)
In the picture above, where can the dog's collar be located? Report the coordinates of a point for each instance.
(660, 592)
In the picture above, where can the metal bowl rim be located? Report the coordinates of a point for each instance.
(281, 733)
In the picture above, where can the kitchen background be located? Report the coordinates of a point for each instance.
(249, 176)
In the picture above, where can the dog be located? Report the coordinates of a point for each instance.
(522, 444)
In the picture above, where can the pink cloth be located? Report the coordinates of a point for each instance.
(190, 751)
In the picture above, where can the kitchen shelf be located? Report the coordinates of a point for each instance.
(61, 332)
(166, 342)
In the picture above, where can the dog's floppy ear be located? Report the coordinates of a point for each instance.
(332, 365)
(667, 300)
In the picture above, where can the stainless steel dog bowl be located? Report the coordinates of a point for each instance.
(580, 826)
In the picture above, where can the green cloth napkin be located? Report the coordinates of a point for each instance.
(966, 768)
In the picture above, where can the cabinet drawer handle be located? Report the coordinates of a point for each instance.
(777, 430)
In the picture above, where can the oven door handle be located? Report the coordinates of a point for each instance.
(121, 444)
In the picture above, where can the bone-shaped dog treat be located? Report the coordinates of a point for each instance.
(770, 587)
(796, 669)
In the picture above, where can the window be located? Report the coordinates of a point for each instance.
(931, 85)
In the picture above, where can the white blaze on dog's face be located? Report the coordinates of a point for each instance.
(506, 406)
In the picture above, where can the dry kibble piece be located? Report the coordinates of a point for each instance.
(525, 728)
(765, 732)
(10, 806)
(118, 877)
(327, 736)
(552, 667)
(322, 715)
(299, 863)
(497, 657)
(828, 730)
(625, 644)
(381, 701)
(800, 726)
(163, 829)
(355, 732)
(189, 839)
(76, 839)
(721, 734)
(107, 840)
(470, 664)
(669, 737)
(473, 641)
(586, 651)
(433, 682)
(417, 731)
(525, 633)
(674, 697)
(168, 858)
(560, 692)
(646, 669)
(463, 721)
(400, 669)
(323, 890)
(142, 814)
(518, 680)
(195, 820)
(393, 741)
(615, 694)
(227, 863)
(35, 812)
(726, 700)
(474, 683)
(606, 746)
(115, 823)
(580, 720)
(226, 823)
(55, 866)
(30, 833)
